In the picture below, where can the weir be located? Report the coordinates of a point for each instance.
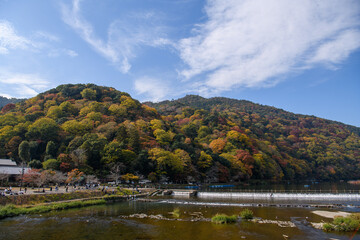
(294, 196)
(184, 193)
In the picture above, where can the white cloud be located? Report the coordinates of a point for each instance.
(47, 36)
(63, 51)
(40, 41)
(71, 53)
(10, 40)
(124, 37)
(154, 89)
(22, 85)
(254, 43)
(339, 49)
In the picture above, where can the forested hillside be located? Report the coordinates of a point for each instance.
(101, 130)
(4, 101)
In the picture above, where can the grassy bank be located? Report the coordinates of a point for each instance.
(32, 199)
(42, 203)
(12, 210)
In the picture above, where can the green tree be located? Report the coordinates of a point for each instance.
(12, 147)
(51, 164)
(163, 137)
(24, 151)
(112, 152)
(51, 149)
(36, 164)
(68, 108)
(204, 161)
(77, 128)
(93, 146)
(55, 112)
(157, 124)
(128, 157)
(94, 116)
(117, 110)
(190, 130)
(45, 129)
(121, 134)
(134, 138)
(167, 161)
(88, 93)
(203, 131)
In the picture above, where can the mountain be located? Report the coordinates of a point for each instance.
(101, 131)
(4, 101)
(221, 103)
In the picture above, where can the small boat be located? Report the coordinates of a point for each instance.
(221, 186)
(191, 187)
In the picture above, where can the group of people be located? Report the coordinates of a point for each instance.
(10, 191)
(67, 188)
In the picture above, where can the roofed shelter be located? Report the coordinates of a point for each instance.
(10, 170)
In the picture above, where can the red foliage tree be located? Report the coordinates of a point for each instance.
(8, 107)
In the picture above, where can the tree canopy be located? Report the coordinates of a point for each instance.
(88, 129)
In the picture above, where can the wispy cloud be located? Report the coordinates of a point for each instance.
(22, 85)
(62, 51)
(47, 36)
(10, 40)
(254, 43)
(337, 50)
(40, 41)
(153, 89)
(124, 37)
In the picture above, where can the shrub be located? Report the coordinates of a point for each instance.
(127, 192)
(327, 227)
(35, 164)
(247, 214)
(343, 224)
(176, 212)
(223, 218)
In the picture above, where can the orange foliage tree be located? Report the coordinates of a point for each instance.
(217, 145)
(74, 176)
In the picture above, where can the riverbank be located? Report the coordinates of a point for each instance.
(49, 197)
(33, 199)
(12, 210)
(46, 203)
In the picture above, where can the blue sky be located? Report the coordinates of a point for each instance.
(301, 56)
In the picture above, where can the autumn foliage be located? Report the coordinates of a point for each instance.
(85, 129)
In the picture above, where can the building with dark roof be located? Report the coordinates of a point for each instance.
(10, 170)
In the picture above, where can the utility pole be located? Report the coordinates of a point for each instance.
(22, 174)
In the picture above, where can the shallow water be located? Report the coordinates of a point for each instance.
(112, 222)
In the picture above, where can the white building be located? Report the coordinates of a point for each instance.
(9, 169)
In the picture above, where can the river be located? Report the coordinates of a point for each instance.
(155, 220)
